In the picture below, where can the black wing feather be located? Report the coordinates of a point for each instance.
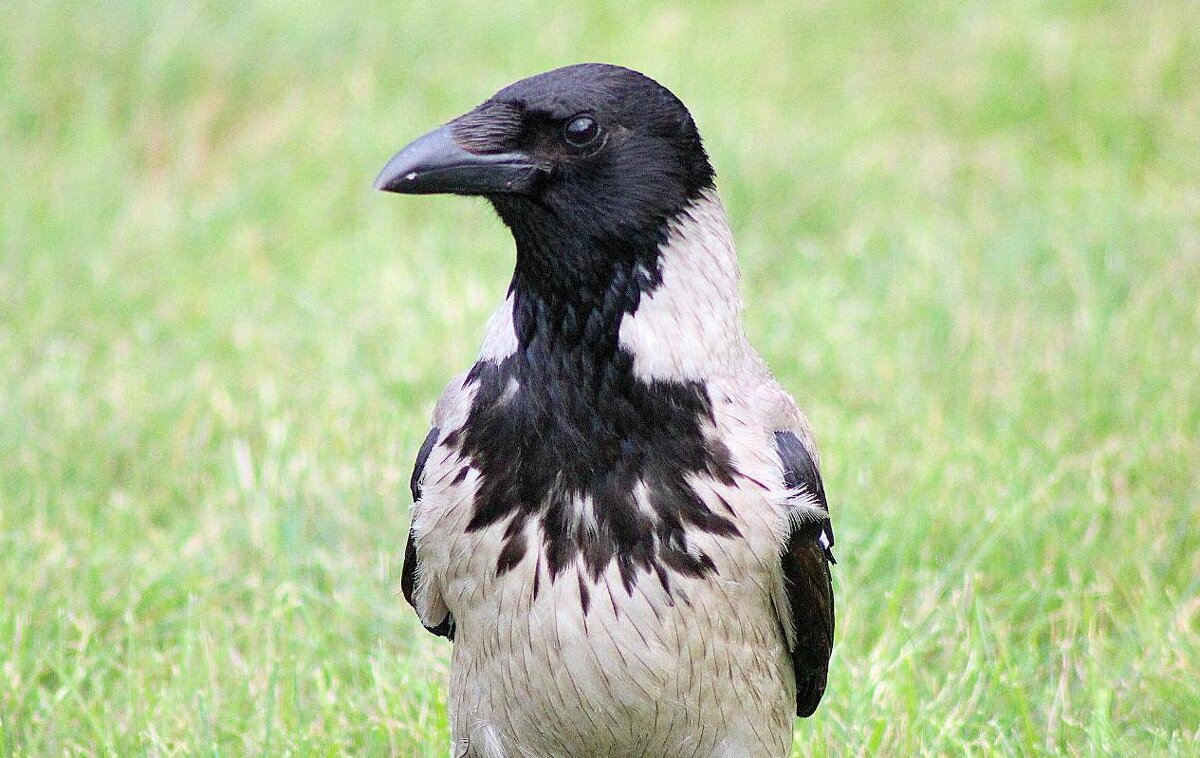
(408, 574)
(806, 559)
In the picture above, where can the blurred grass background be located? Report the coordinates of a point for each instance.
(971, 242)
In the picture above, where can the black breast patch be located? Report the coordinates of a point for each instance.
(547, 433)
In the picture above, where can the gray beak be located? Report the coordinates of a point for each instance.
(436, 164)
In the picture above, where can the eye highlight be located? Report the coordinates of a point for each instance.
(581, 131)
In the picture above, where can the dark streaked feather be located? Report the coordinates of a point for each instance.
(547, 438)
(408, 574)
(806, 560)
(800, 472)
(414, 483)
(810, 595)
(553, 441)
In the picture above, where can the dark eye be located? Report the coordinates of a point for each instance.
(581, 131)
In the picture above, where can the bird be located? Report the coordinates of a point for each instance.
(619, 519)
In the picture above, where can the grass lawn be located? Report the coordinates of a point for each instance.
(970, 237)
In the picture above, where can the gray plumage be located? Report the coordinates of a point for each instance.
(619, 516)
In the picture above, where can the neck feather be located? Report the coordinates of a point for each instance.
(663, 303)
(689, 327)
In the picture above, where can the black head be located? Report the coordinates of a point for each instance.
(596, 153)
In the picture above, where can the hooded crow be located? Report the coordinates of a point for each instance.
(619, 519)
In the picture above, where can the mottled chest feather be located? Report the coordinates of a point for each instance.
(599, 461)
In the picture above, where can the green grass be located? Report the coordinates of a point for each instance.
(971, 243)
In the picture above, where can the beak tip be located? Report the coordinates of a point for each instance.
(392, 181)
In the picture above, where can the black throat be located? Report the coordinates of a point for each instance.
(568, 439)
(571, 290)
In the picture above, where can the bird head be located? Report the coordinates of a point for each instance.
(589, 157)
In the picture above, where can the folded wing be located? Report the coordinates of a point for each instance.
(805, 558)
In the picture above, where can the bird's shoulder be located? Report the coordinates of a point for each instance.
(750, 397)
(804, 594)
(432, 478)
(454, 403)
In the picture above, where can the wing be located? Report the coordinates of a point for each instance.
(806, 557)
(408, 578)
